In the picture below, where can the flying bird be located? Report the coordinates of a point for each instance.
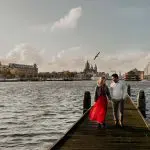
(96, 55)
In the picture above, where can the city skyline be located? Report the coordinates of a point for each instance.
(63, 35)
(91, 69)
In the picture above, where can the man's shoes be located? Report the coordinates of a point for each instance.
(121, 124)
(116, 124)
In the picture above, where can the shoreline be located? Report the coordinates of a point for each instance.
(56, 80)
(43, 80)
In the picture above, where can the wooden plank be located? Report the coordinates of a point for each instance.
(60, 141)
(85, 134)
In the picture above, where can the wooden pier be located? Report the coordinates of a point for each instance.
(85, 135)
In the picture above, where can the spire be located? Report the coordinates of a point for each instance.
(35, 65)
(91, 67)
(95, 68)
(87, 66)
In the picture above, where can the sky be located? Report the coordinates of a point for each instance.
(62, 35)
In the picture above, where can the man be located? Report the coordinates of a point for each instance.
(118, 92)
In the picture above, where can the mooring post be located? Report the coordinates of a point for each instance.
(86, 101)
(141, 103)
(129, 90)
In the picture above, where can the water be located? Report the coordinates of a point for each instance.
(35, 114)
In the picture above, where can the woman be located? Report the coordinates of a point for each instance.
(99, 109)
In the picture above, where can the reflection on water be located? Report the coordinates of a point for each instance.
(35, 114)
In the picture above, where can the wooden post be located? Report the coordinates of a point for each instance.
(86, 101)
(129, 90)
(141, 104)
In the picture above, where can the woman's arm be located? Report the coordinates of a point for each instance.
(108, 93)
(96, 94)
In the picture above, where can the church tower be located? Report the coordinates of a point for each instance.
(95, 68)
(87, 67)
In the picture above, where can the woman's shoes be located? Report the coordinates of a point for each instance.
(102, 125)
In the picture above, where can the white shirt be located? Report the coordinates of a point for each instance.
(118, 90)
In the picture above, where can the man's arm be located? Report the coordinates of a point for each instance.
(111, 90)
(124, 89)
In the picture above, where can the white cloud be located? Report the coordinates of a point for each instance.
(59, 55)
(70, 59)
(74, 48)
(68, 21)
(71, 63)
(123, 61)
(63, 53)
(24, 53)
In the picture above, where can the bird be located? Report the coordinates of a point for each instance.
(96, 55)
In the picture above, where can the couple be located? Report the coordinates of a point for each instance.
(116, 94)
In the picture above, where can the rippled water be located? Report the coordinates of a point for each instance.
(33, 115)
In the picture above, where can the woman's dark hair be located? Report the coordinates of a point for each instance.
(115, 75)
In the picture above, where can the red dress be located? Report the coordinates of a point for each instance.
(99, 109)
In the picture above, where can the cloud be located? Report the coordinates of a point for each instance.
(68, 21)
(72, 59)
(74, 48)
(72, 63)
(24, 53)
(62, 53)
(123, 61)
(59, 55)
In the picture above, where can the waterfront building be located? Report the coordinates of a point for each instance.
(18, 70)
(134, 75)
(21, 70)
(3, 68)
(4, 71)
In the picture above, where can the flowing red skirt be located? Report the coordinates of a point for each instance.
(99, 110)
